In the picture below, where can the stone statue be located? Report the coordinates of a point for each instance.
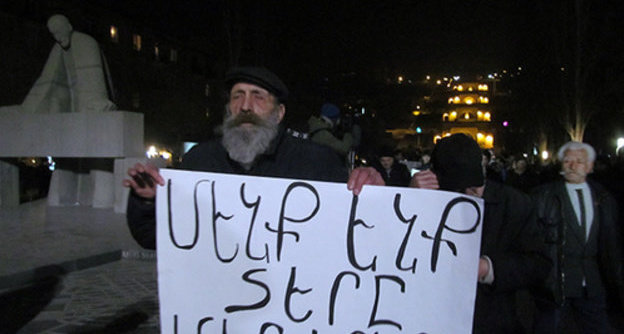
(73, 77)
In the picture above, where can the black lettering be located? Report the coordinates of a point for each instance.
(334, 292)
(410, 224)
(373, 321)
(175, 324)
(442, 226)
(280, 226)
(258, 305)
(170, 220)
(255, 205)
(289, 291)
(215, 216)
(350, 240)
(266, 326)
(201, 323)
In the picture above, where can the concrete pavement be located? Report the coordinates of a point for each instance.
(73, 270)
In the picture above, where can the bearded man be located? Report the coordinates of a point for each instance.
(253, 143)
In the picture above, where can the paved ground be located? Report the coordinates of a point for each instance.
(73, 270)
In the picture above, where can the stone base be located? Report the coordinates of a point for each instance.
(9, 184)
(107, 134)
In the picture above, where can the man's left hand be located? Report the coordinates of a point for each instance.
(362, 176)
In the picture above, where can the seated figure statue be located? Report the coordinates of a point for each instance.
(73, 78)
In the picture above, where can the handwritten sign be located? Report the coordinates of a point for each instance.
(240, 254)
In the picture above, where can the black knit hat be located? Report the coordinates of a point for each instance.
(259, 76)
(457, 162)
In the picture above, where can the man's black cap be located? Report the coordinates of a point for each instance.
(457, 162)
(259, 76)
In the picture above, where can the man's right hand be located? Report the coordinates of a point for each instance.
(143, 180)
(425, 180)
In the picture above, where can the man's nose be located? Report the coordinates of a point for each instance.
(246, 106)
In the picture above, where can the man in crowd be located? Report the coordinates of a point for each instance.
(521, 176)
(322, 130)
(580, 223)
(252, 143)
(394, 173)
(513, 255)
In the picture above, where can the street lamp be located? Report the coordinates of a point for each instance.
(620, 144)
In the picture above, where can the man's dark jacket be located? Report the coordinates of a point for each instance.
(599, 260)
(512, 240)
(399, 175)
(287, 157)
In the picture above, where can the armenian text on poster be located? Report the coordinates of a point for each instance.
(243, 254)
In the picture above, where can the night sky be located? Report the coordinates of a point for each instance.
(325, 37)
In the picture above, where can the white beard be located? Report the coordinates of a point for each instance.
(243, 143)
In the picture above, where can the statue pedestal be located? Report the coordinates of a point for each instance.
(9, 184)
(117, 135)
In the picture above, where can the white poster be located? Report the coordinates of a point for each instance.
(240, 254)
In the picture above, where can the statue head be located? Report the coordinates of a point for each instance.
(61, 29)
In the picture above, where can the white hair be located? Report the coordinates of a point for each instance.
(575, 145)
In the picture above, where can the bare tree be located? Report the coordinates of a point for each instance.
(579, 31)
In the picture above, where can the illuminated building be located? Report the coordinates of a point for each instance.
(468, 111)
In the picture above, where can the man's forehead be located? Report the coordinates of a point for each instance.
(243, 86)
(575, 152)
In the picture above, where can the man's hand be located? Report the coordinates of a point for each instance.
(143, 180)
(425, 179)
(484, 268)
(362, 176)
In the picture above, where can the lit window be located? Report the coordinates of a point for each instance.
(136, 42)
(479, 115)
(456, 99)
(156, 51)
(480, 138)
(445, 117)
(113, 34)
(466, 116)
(173, 55)
(452, 116)
(487, 117)
(460, 88)
(469, 100)
(436, 138)
(483, 88)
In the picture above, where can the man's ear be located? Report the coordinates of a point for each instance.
(281, 111)
(590, 167)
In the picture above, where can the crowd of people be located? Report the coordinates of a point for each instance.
(550, 230)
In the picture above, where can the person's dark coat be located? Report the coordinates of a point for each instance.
(397, 176)
(556, 215)
(288, 157)
(512, 240)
